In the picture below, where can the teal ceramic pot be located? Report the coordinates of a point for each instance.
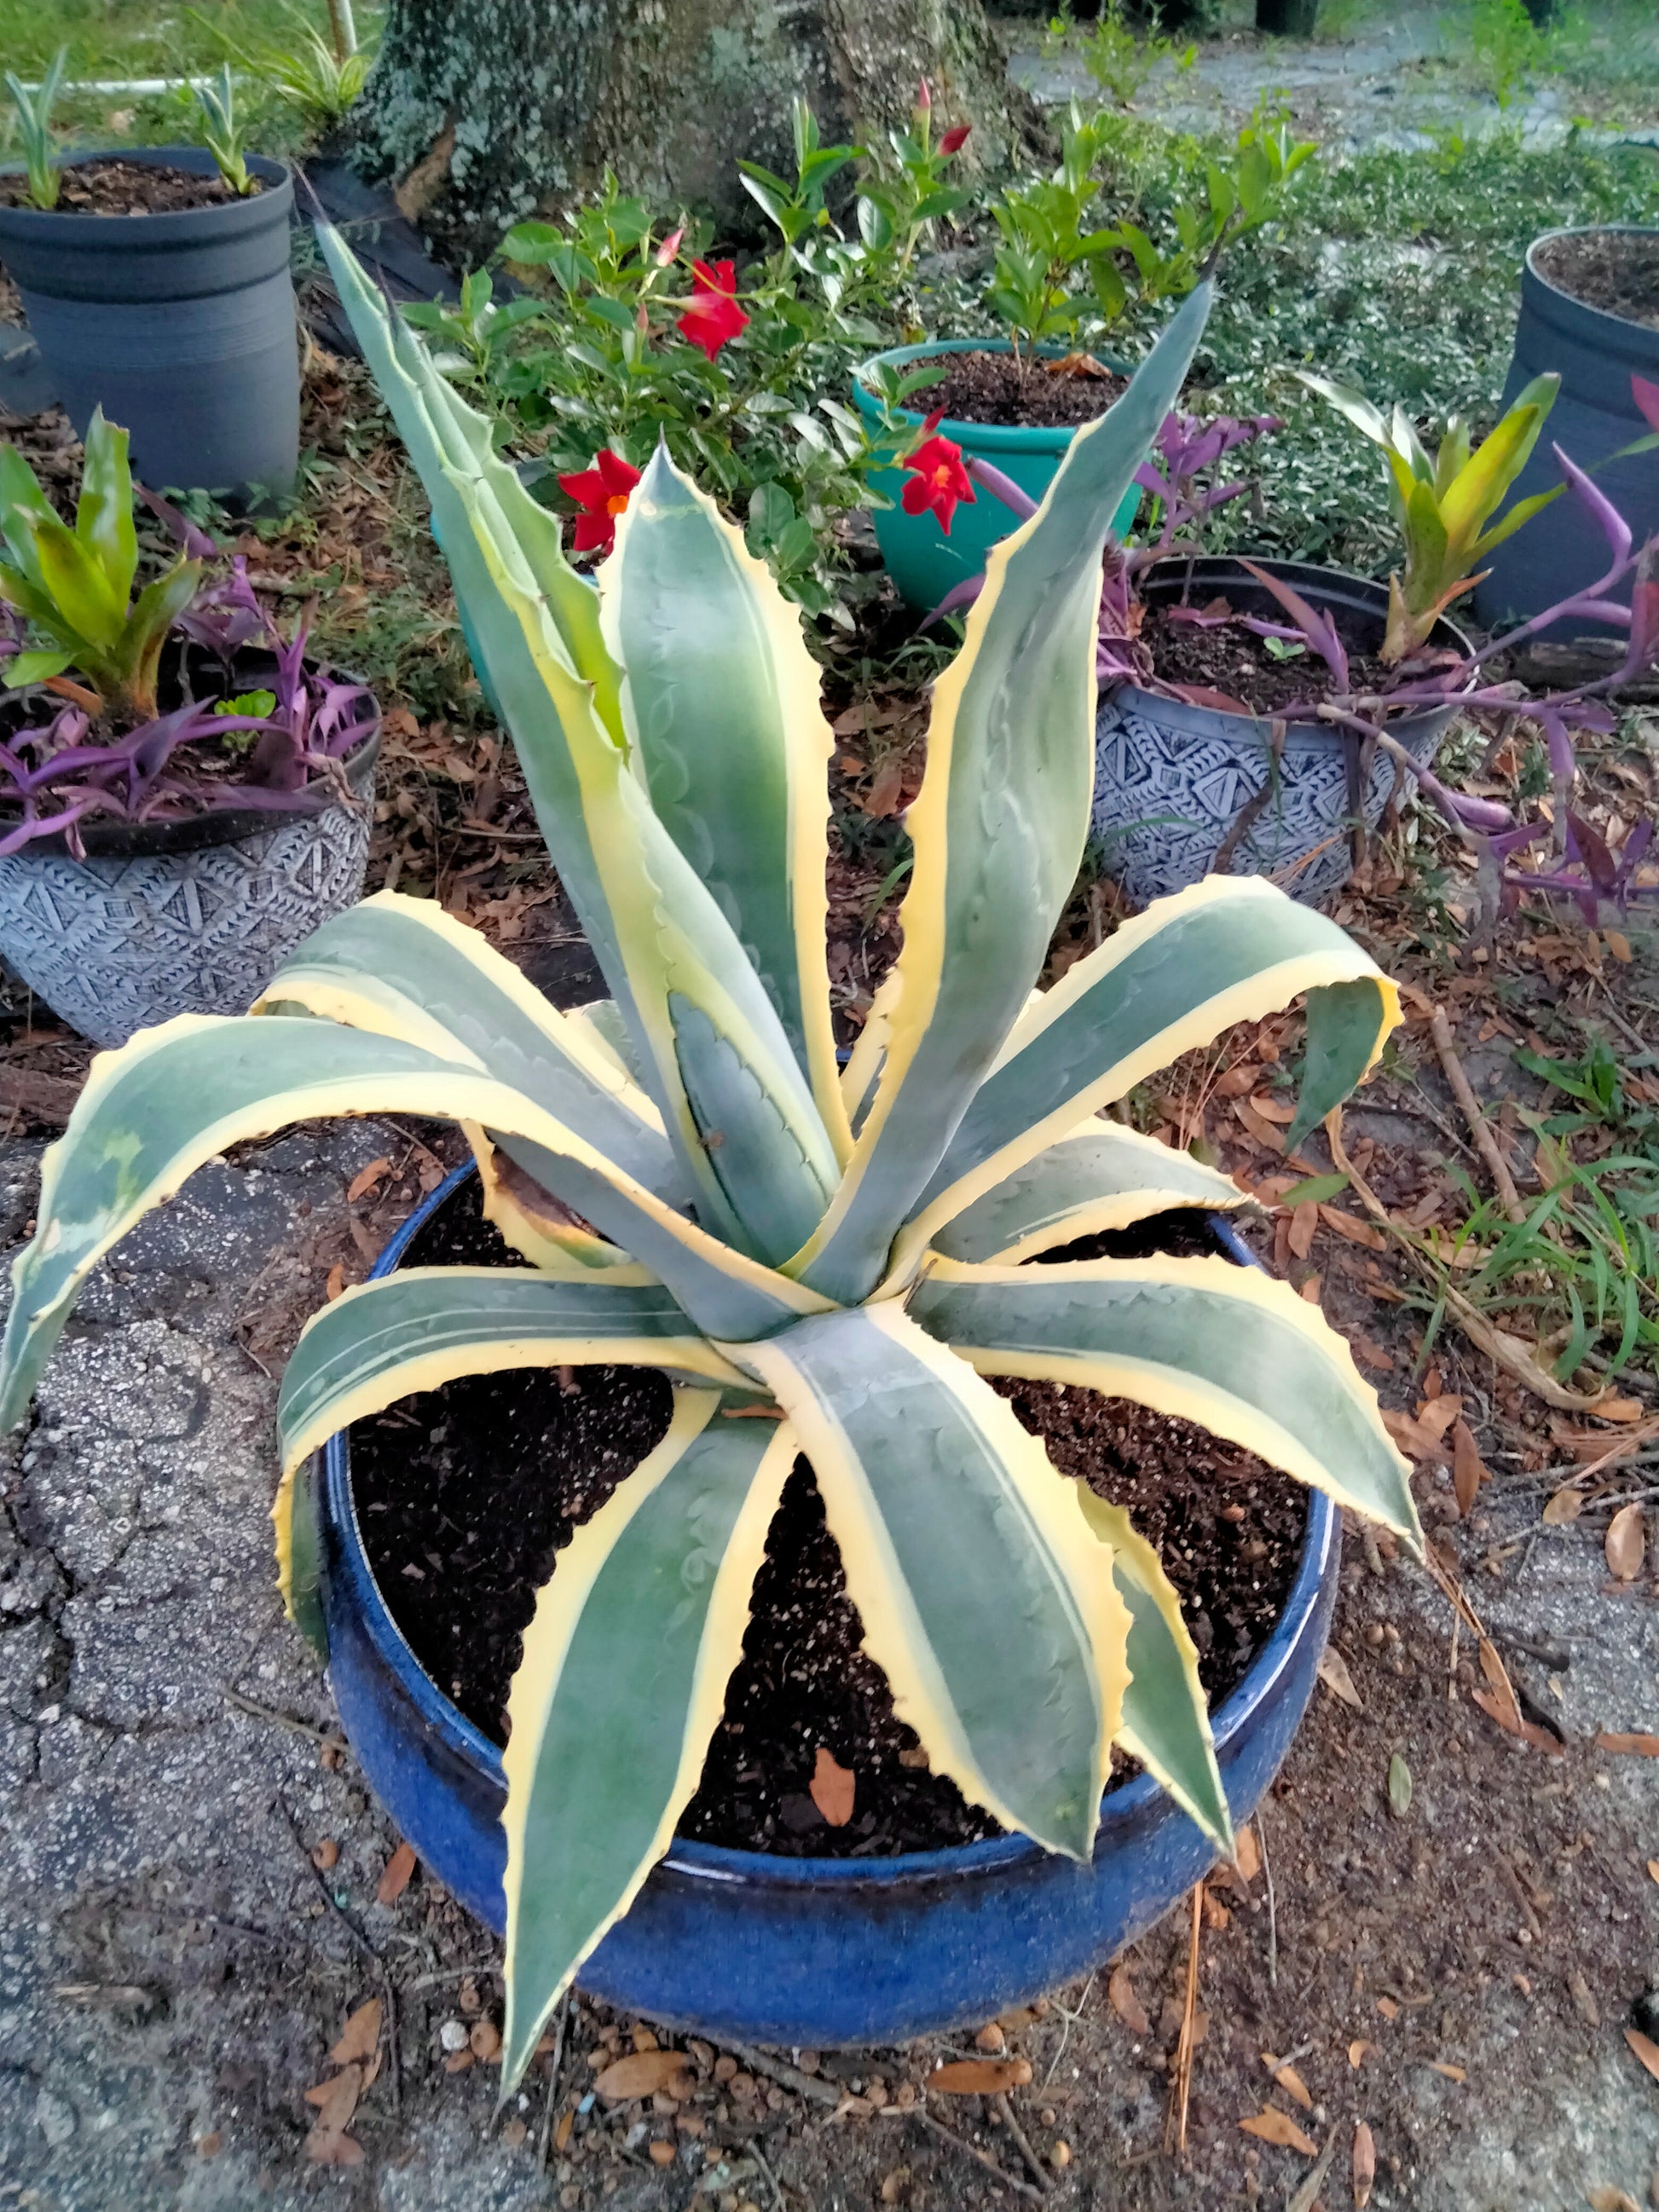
(923, 563)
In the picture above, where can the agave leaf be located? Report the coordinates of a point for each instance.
(424, 1326)
(620, 1687)
(1101, 1177)
(999, 826)
(1344, 1022)
(865, 1062)
(404, 968)
(178, 1095)
(656, 930)
(541, 1229)
(722, 702)
(1199, 1340)
(299, 1535)
(919, 1464)
(1229, 949)
(1166, 1719)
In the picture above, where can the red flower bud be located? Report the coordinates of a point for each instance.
(713, 315)
(670, 247)
(954, 139)
(602, 492)
(923, 97)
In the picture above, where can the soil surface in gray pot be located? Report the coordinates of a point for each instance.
(1617, 271)
(1229, 658)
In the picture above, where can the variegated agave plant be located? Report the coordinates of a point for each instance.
(701, 1191)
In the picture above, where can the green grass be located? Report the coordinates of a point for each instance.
(138, 38)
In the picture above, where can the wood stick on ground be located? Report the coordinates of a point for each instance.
(1479, 1128)
(553, 2073)
(1307, 2195)
(787, 2077)
(1272, 1908)
(1039, 2172)
(1175, 2125)
(981, 2158)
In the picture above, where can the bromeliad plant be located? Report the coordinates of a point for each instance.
(97, 742)
(837, 1252)
(1445, 502)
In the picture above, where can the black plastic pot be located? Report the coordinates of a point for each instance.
(180, 326)
(1594, 353)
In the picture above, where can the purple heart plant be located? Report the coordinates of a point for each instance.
(83, 733)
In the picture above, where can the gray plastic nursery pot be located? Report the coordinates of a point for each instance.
(1594, 353)
(180, 325)
(1170, 778)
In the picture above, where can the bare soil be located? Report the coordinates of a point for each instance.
(1617, 271)
(1233, 661)
(109, 185)
(1031, 395)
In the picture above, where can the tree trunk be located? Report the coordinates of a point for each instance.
(482, 112)
(1286, 19)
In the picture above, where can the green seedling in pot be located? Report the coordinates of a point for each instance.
(41, 167)
(222, 133)
(701, 1190)
(1445, 502)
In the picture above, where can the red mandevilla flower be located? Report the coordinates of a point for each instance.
(713, 315)
(602, 492)
(939, 480)
(954, 139)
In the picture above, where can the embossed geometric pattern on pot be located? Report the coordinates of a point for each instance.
(1170, 779)
(113, 943)
(1170, 776)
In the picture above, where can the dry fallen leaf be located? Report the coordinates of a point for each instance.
(360, 2034)
(1618, 1409)
(1637, 1745)
(832, 1788)
(1282, 1110)
(1365, 2165)
(1653, 1868)
(395, 1879)
(1246, 1857)
(642, 2074)
(365, 1180)
(1358, 2051)
(1625, 1543)
(1350, 1226)
(335, 1282)
(1452, 2073)
(1468, 1469)
(1566, 1505)
(979, 2077)
(1611, 2200)
(1334, 1673)
(1276, 2127)
(1304, 1222)
(1387, 2008)
(1290, 2081)
(1645, 2048)
(1125, 2003)
(328, 2143)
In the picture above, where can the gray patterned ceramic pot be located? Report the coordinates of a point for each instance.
(187, 917)
(1171, 778)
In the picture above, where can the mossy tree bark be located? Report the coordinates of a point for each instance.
(484, 111)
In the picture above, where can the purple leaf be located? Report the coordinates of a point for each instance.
(1003, 488)
(1602, 510)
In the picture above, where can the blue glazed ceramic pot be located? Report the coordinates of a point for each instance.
(817, 1952)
